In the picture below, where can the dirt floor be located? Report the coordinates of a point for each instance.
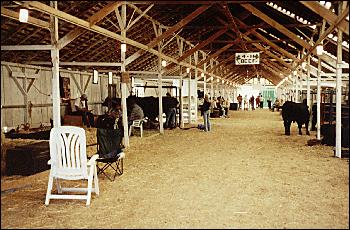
(245, 173)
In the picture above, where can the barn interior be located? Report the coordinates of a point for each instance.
(294, 51)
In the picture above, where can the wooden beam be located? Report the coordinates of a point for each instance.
(97, 29)
(78, 63)
(98, 16)
(197, 47)
(31, 20)
(27, 47)
(102, 13)
(70, 37)
(326, 14)
(139, 17)
(169, 32)
(340, 18)
(276, 25)
(233, 24)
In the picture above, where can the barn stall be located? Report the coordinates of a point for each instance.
(51, 59)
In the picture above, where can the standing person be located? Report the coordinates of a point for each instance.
(257, 101)
(246, 102)
(170, 121)
(206, 113)
(269, 102)
(261, 101)
(239, 99)
(81, 108)
(252, 101)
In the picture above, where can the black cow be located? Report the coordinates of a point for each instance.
(295, 112)
(149, 105)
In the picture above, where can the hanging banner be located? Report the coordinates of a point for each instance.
(247, 58)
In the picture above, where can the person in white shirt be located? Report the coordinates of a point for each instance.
(81, 108)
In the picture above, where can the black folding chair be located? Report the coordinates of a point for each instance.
(110, 152)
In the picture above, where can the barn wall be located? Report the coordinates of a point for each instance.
(39, 95)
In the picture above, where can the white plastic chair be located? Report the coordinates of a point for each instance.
(69, 162)
(136, 124)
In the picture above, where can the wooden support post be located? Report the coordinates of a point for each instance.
(189, 96)
(182, 124)
(123, 86)
(318, 97)
(338, 121)
(308, 99)
(196, 86)
(56, 113)
(160, 86)
(211, 81)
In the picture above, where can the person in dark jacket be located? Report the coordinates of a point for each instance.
(206, 113)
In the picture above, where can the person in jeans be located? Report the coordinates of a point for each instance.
(206, 113)
(81, 108)
(170, 121)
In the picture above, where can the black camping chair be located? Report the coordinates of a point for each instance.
(110, 152)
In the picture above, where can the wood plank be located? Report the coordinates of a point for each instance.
(326, 14)
(196, 48)
(27, 47)
(169, 32)
(276, 25)
(102, 13)
(93, 20)
(22, 75)
(97, 29)
(31, 20)
(139, 17)
(330, 29)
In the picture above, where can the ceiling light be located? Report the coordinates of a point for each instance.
(23, 15)
(292, 15)
(217, 80)
(330, 35)
(95, 77)
(202, 74)
(303, 64)
(123, 47)
(188, 70)
(110, 78)
(163, 63)
(328, 5)
(319, 49)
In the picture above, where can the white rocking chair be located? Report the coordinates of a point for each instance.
(69, 162)
(136, 124)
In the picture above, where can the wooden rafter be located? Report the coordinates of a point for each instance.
(197, 47)
(276, 25)
(98, 16)
(326, 14)
(169, 32)
(31, 20)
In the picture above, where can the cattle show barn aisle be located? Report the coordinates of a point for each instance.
(245, 173)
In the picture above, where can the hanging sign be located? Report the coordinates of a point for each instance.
(125, 77)
(247, 58)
